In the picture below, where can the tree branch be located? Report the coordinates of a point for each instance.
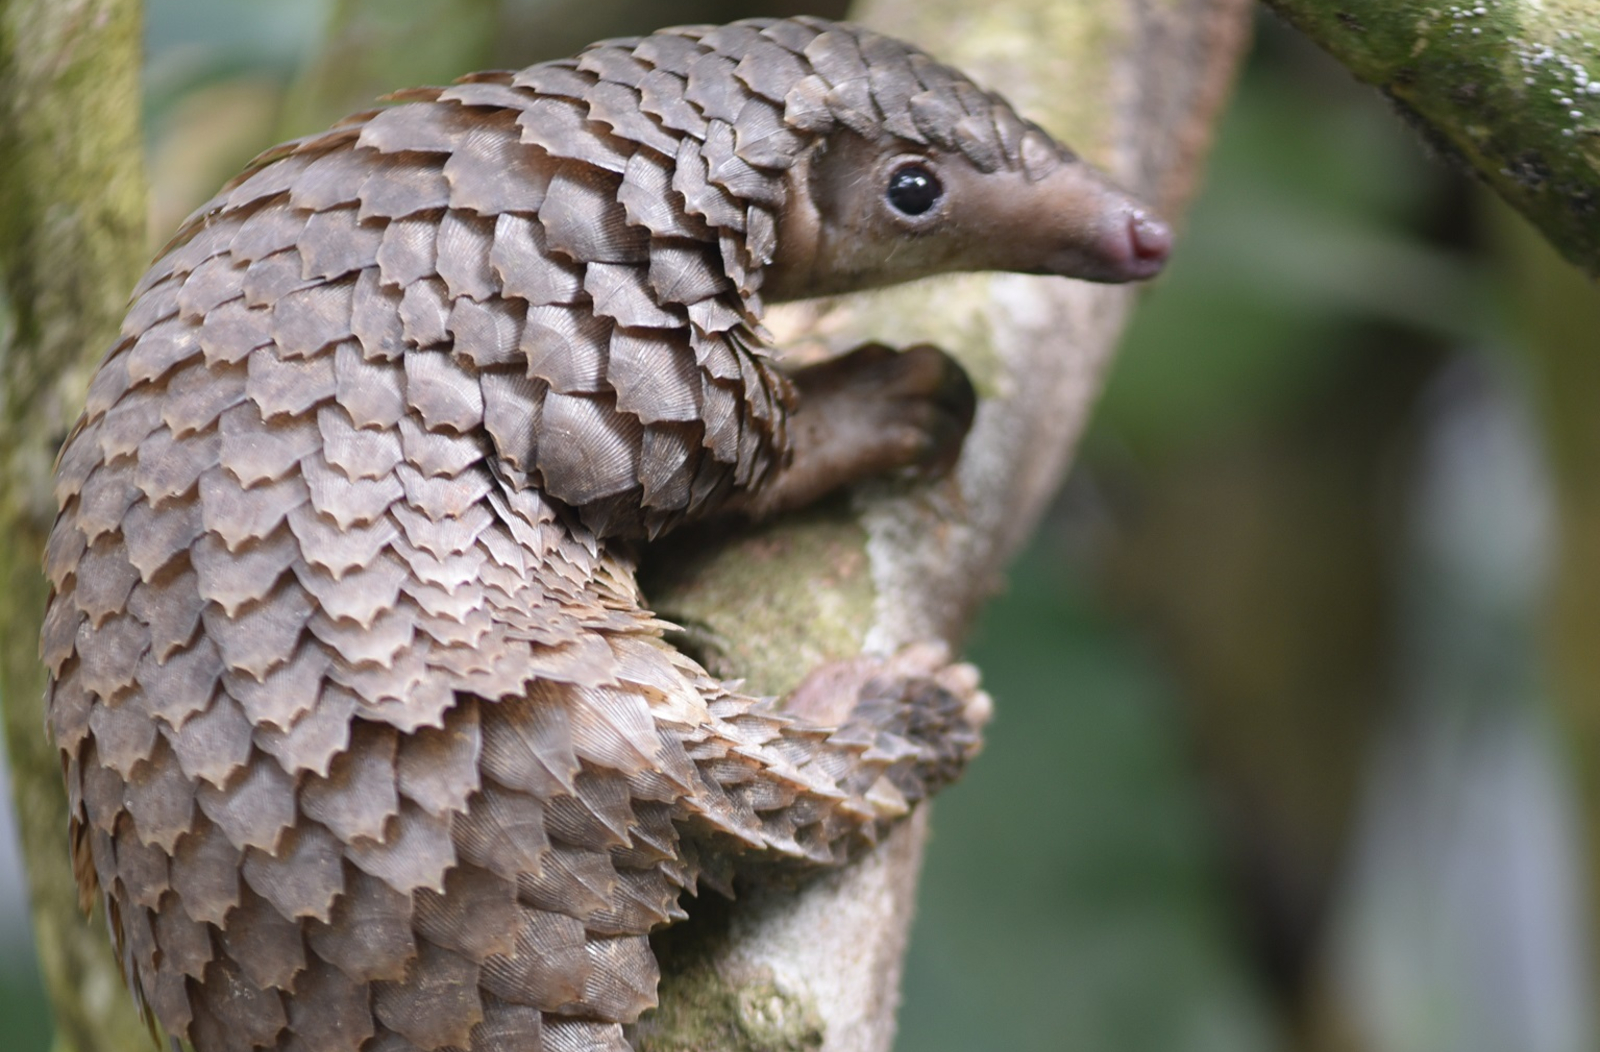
(1136, 87)
(1502, 86)
(72, 218)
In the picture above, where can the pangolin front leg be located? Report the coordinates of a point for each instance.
(371, 744)
(868, 413)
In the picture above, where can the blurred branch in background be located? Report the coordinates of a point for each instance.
(72, 214)
(1559, 311)
(372, 47)
(1502, 86)
(1456, 926)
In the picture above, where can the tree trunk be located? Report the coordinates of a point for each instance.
(72, 220)
(1135, 87)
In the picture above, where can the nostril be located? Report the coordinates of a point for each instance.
(1151, 238)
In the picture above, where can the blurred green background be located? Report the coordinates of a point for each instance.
(1295, 699)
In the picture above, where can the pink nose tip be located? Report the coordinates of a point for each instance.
(1151, 240)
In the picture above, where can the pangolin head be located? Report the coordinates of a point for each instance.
(909, 169)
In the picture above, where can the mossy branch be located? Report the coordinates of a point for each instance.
(72, 218)
(1510, 88)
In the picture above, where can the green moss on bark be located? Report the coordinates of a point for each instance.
(72, 213)
(1502, 86)
(702, 1012)
(770, 604)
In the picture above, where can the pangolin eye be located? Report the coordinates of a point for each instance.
(913, 189)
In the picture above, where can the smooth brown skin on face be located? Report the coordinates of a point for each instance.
(840, 233)
(872, 412)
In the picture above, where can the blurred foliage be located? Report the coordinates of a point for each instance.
(374, 46)
(24, 1009)
(1306, 235)
(1560, 314)
(1069, 899)
(1208, 604)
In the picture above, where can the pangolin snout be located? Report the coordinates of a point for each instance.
(1084, 226)
(1136, 248)
(1124, 242)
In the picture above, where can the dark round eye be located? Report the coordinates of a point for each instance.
(913, 189)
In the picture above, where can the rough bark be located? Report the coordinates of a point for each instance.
(1503, 86)
(1133, 86)
(72, 214)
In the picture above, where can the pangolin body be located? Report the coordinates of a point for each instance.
(370, 742)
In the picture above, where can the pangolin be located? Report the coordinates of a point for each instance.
(370, 741)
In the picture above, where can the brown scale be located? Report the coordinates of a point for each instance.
(371, 745)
